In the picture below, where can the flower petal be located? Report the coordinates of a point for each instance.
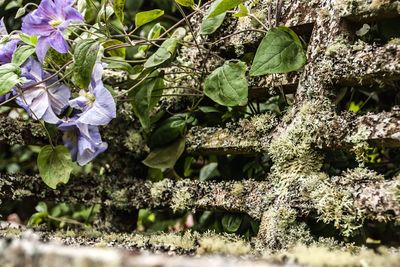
(57, 41)
(35, 25)
(42, 47)
(103, 109)
(59, 96)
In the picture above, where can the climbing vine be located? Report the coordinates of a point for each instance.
(53, 68)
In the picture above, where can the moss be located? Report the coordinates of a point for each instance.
(329, 257)
(337, 47)
(212, 243)
(237, 189)
(185, 241)
(395, 41)
(360, 146)
(158, 189)
(264, 123)
(181, 199)
(279, 229)
(135, 142)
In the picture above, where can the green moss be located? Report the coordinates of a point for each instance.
(318, 255)
(135, 142)
(212, 243)
(395, 41)
(279, 229)
(157, 190)
(185, 241)
(181, 199)
(237, 189)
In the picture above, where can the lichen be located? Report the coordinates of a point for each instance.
(279, 229)
(181, 199)
(237, 189)
(318, 255)
(212, 243)
(135, 142)
(157, 190)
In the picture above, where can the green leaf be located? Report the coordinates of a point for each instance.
(41, 207)
(242, 12)
(119, 52)
(231, 223)
(22, 53)
(207, 109)
(210, 25)
(209, 171)
(280, 51)
(9, 77)
(227, 85)
(55, 165)
(145, 17)
(29, 40)
(119, 6)
(170, 130)
(166, 50)
(154, 33)
(221, 6)
(85, 58)
(186, 3)
(166, 157)
(146, 97)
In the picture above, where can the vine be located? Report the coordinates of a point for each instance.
(53, 68)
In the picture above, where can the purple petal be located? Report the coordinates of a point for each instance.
(97, 75)
(57, 41)
(59, 96)
(47, 8)
(73, 15)
(7, 50)
(103, 109)
(83, 141)
(50, 117)
(42, 47)
(35, 101)
(35, 25)
(79, 103)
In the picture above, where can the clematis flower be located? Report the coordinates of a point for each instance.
(82, 140)
(42, 101)
(49, 22)
(97, 104)
(7, 48)
(7, 96)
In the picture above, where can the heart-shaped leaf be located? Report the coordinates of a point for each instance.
(227, 85)
(281, 51)
(55, 165)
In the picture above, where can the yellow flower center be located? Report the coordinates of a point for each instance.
(55, 23)
(90, 97)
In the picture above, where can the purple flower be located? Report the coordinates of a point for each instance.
(7, 48)
(82, 140)
(42, 101)
(49, 22)
(97, 105)
(5, 97)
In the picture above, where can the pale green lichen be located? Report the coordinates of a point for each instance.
(212, 243)
(185, 241)
(279, 229)
(157, 190)
(135, 142)
(237, 189)
(318, 255)
(264, 123)
(181, 199)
